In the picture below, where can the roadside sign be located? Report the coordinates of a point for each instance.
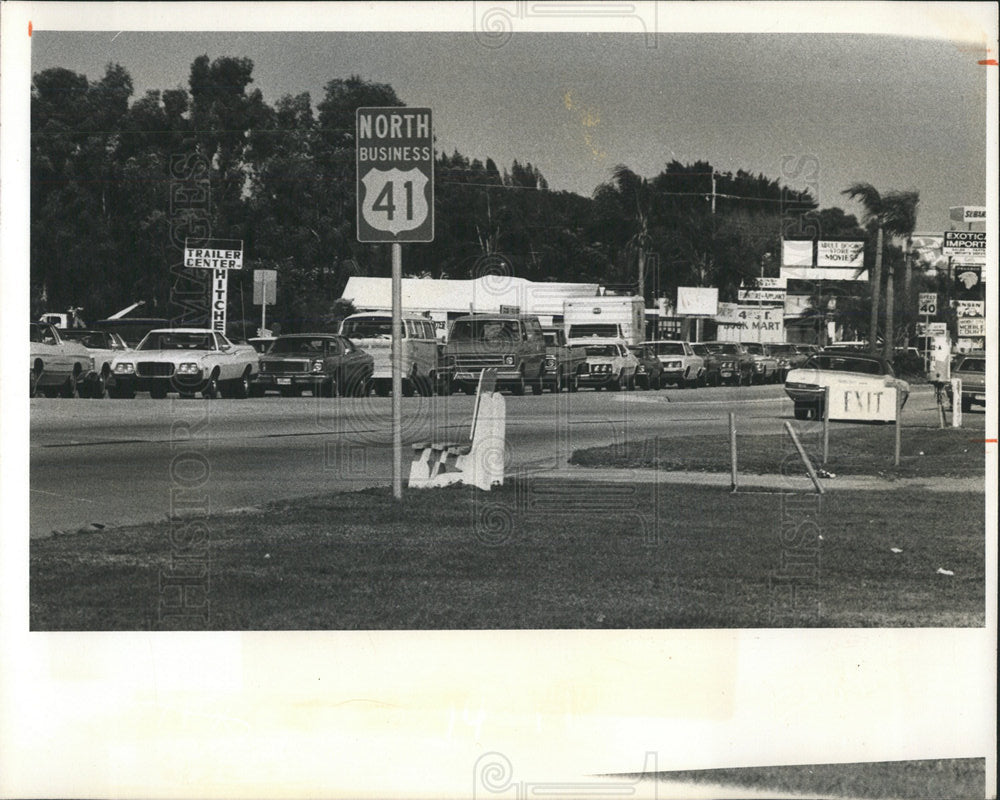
(265, 287)
(971, 326)
(928, 303)
(213, 253)
(968, 213)
(863, 404)
(970, 308)
(931, 329)
(970, 245)
(395, 174)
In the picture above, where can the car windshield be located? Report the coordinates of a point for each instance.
(367, 328)
(756, 349)
(725, 349)
(782, 350)
(592, 329)
(701, 349)
(92, 339)
(603, 350)
(837, 363)
(493, 331)
(973, 365)
(668, 348)
(304, 345)
(551, 339)
(174, 340)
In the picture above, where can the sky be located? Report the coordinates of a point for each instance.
(817, 111)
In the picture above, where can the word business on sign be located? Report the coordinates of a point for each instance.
(395, 160)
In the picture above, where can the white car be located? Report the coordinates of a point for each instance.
(681, 365)
(103, 347)
(609, 363)
(187, 361)
(856, 383)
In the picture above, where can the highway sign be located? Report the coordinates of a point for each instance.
(265, 287)
(928, 303)
(395, 166)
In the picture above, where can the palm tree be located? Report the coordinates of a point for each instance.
(893, 214)
(634, 195)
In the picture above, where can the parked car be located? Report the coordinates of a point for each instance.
(765, 367)
(649, 371)
(726, 363)
(681, 366)
(422, 371)
(609, 364)
(513, 345)
(58, 367)
(187, 361)
(103, 347)
(971, 369)
(859, 372)
(327, 364)
(261, 343)
(788, 356)
(562, 361)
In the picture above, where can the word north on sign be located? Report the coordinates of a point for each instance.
(395, 160)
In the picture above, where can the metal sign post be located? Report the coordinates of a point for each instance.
(395, 173)
(265, 293)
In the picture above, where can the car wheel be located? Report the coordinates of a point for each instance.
(537, 385)
(557, 384)
(966, 405)
(408, 388)
(241, 386)
(69, 389)
(619, 384)
(382, 387)
(801, 411)
(467, 388)
(518, 388)
(98, 386)
(574, 383)
(211, 390)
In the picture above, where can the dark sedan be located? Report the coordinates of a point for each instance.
(327, 364)
(649, 373)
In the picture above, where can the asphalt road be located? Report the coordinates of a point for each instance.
(117, 462)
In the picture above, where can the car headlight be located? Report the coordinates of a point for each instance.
(673, 365)
(124, 368)
(640, 369)
(758, 365)
(188, 368)
(508, 360)
(729, 365)
(317, 365)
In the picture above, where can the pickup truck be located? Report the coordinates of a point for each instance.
(562, 361)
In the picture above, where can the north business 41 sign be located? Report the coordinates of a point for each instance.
(395, 161)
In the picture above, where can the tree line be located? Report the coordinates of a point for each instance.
(281, 177)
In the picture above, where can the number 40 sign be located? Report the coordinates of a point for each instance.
(395, 159)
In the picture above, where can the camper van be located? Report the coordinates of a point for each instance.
(608, 317)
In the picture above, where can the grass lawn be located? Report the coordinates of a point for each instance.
(930, 779)
(535, 554)
(854, 450)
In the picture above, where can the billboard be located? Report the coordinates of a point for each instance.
(697, 301)
(968, 245)
(847, 255)
(796, 253)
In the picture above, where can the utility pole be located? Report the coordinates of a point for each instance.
(713, 192)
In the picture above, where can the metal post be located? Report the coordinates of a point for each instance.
(956, 402)
(397, 371)
(826, 424)
(263, 315)
(732, 451)
(899, 424)
(805, 459)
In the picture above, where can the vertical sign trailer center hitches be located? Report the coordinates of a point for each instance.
(395, 165)
(220, 256)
